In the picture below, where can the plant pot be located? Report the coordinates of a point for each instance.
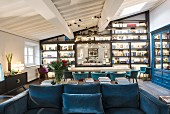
(9, 67)
(58, 76)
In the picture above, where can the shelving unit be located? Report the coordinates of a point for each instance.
(53, 49)
(49, 53)
(161, 55)
(121, 54)
(66, 51)
(130, 43)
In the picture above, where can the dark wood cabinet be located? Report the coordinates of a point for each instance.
(13, 82)
(2, 87)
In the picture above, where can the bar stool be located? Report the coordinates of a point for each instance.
(80, 76)
(67, 75)
(96, 75)
(115, 75)
(133, 74)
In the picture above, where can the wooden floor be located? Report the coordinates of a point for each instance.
(150, 87)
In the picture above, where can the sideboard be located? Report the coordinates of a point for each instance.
(13, 82)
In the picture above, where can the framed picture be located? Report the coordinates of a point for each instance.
(93, 52)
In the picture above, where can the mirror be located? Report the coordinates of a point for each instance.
(93, 54)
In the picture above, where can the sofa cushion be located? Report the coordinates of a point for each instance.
(44, 111)
(82, 103)
(121, 96)
(82, 88)
(45, 96)
(123, 111)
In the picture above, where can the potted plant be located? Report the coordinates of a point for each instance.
(58, 67)
(9, 59)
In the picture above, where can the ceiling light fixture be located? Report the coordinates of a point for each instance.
(133, 9)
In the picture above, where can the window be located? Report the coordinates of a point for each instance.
(29, 55)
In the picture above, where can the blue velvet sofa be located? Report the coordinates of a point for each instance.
(87, 98)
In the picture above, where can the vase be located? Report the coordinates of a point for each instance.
(9, 67)
(58, 76)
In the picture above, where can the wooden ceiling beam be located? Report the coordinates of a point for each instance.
(79, 12)
(47, 9)
(83, 15)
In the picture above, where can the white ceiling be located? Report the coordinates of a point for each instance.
(40, 19)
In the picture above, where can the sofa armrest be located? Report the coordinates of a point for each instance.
(15, 105)
(151, 105)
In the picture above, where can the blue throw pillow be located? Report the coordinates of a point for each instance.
(45, 96)
(120, 96)
(82, 89)
(82, 103)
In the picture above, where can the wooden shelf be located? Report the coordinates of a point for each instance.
(49, 57)
(120, 49)
(139, 56)
(66, 50)
(139, 49)
(67, 57)
(139, 63)
(129, 33)
(129, 27)
(120, 63)
(48, 50)
(132, 40)
(121, 56)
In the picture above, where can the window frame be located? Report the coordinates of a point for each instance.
(27, 64)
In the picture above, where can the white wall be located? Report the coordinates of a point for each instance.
(160, 16)
(14, 44)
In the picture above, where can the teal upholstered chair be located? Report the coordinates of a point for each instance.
(148, 72)
(142, 70)
(133, 74)
(67, 75)
(96, 75)
(80, 76)
(116, 75)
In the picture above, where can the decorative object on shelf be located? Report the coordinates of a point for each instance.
(18, 67)
(58, 67)
(9, 59)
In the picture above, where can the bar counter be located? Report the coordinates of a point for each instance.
(98, 69)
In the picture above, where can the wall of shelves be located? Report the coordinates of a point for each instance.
(161, 55)
(128, 38)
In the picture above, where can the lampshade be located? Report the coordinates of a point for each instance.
(18, 67)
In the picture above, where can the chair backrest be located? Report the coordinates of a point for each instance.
(40, 71)
(67, 74)
(96, 75)
(134, 73)
(116, 75)
(148, 70)
(142, 68)
(80, 76)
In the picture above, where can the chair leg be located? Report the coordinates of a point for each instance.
(136, 80)
(139, 75)
(129, 79)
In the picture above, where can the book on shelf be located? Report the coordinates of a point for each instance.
(165, 99)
